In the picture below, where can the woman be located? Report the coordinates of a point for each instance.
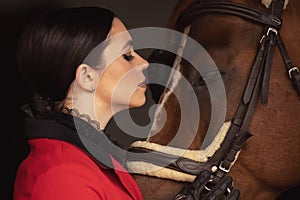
(81, 69)
(76, 87)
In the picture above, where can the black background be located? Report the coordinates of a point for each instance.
(13, 16)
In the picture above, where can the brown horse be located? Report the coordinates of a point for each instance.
(269, 161)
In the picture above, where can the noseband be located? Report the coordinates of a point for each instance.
(257, 85)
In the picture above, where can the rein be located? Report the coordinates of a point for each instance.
(257, 85)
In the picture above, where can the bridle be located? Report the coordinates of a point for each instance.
(257, 85)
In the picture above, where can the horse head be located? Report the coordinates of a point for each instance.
(264, 106)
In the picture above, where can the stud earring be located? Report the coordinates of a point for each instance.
(93, 89)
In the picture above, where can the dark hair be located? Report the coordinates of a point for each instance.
(53, 45)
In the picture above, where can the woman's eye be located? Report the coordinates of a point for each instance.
(128, 56)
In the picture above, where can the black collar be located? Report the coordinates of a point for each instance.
(73, 130)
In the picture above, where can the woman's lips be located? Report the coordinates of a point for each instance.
(142, 84)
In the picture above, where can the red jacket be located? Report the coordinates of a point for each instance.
(57, 170)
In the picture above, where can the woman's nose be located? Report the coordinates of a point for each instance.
(142, 62)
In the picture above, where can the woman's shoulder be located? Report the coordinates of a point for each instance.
(66, 180)
(52, 153)
(49, 154)
(58, 167)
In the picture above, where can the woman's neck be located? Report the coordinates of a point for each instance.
(87, 104)
(86, 117)
(96, 114)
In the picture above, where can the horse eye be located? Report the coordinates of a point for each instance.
(222, 72)
(199, 83)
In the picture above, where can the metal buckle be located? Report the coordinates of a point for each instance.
(276, 21)
(268, 32)
(223, 168)
(180, 196)
(228, 190)
(262, 38)
(273, 30)
(206, 187)
(291, 70)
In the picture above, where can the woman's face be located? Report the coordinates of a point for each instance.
(122, 84)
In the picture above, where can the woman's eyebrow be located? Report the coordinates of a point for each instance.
(128, 43)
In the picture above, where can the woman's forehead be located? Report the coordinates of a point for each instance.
(118, 33)
(117, 27)
(118, 42)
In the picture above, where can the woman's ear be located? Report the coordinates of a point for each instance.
(86, 78)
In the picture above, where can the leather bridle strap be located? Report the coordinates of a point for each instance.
(292, 70)
(258, 82)
(271, 20)
(198, 8)
(180, 164)
(271, 34)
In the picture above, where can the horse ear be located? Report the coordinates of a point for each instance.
(179, 7)
(267, 3)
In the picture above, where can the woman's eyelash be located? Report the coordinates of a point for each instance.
(128, 57)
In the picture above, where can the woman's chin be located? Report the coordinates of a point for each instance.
(137, 102)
